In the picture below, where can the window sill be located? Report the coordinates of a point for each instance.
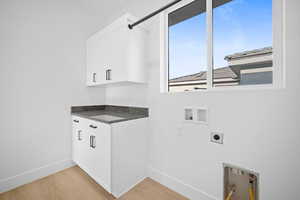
(231, 89)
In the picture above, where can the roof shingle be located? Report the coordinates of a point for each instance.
(255, 52)
(224, 72)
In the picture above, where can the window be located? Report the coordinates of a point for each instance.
(242, 42)
(187, 47)
(229, 43)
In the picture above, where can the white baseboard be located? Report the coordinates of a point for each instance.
(34, 174)
(178, 186)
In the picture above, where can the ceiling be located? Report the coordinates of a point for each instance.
(108, 10)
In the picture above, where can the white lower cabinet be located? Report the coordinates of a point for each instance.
(99, 153)
(114, 155)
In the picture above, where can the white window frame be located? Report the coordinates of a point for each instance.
(278, 24)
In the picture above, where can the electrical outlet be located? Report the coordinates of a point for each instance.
(217, 137)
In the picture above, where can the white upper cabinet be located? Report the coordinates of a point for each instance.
(117, 54)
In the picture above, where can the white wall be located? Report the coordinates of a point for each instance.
(261, 127)
(42, 73)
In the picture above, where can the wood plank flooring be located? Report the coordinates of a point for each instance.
(151, 190)
(75, 184)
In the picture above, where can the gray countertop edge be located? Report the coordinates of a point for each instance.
(109, 122)
(125, 112)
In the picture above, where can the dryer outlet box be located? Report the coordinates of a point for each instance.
(217, 137)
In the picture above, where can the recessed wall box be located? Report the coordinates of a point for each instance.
(239, 183)
(201, 115)
(188, 114)
(196, 115)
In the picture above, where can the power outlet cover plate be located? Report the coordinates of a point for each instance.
(217, 137)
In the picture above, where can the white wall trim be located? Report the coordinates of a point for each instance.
(178, 185)
(34, 174)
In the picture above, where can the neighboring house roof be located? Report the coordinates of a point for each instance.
(224, 72)
(231, 72)
(255, 52)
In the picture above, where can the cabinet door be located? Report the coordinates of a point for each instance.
(100, 153)
(107, 56)
(96, 60)
(78, 140)
(117, 55)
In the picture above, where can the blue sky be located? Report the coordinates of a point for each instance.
(239, 25)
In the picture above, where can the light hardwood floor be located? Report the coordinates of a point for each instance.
(75, 184)
(151, 190)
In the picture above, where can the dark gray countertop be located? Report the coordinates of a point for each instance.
(115, 113)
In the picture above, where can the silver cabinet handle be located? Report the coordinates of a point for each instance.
(76, 121)
(79, 135)
(92, 126)
(94, 77)
(108, 74)
(93, 141)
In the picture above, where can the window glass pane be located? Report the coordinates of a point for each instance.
(242, 42)
(187, 48)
